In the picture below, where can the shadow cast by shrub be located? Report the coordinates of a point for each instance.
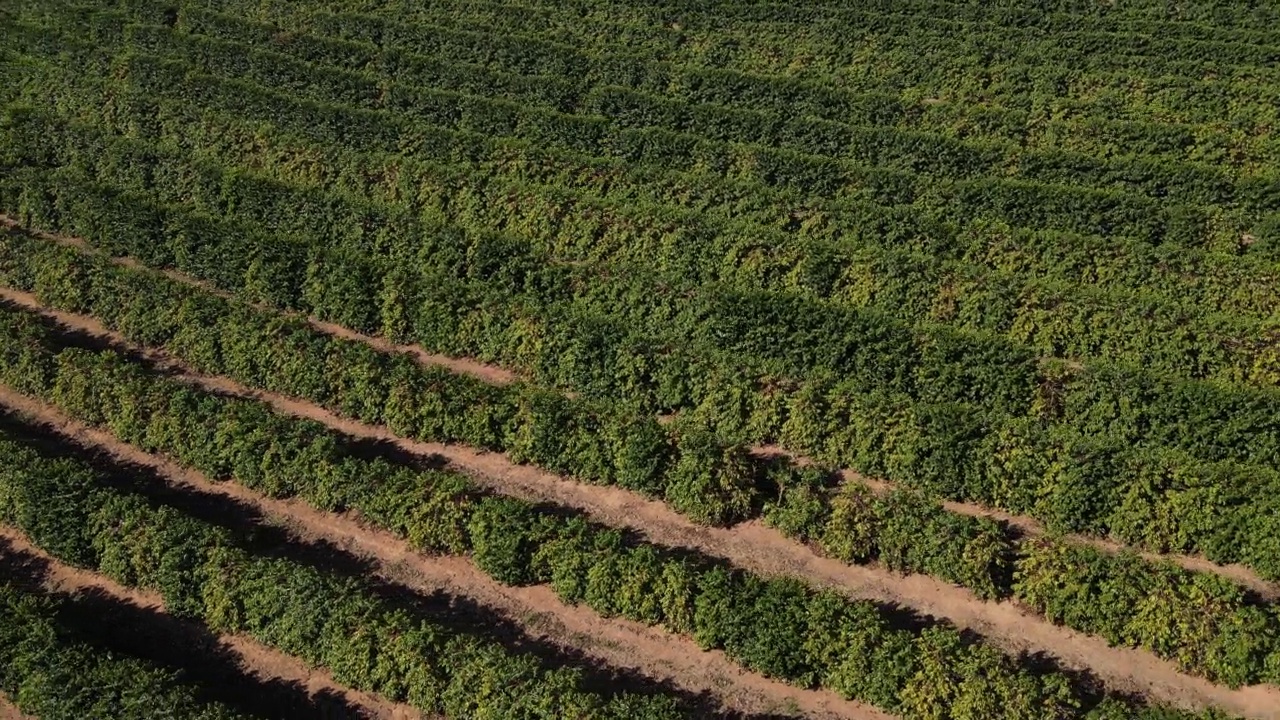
(257, 534)
(96, 618)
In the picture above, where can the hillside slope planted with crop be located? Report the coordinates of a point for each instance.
(642, 358)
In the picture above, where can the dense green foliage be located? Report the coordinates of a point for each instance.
(1191, 617)
(1017, 255)
(205, 572)
(772, 365)
(777, 626)
(826, 416)
(222, 337)
(49, 671)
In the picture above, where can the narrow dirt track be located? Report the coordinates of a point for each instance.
(496, 375)
(755, 547)
(1241, 575)
(256, 658)
(621, 643)
(9, 711)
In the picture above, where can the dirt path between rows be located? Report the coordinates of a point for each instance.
(496, 375)
(651, 651)
(256, 658)
(1239, 574)
(763, 550)
(9, 711)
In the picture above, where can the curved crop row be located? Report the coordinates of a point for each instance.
(474, 43)
(765, 352)
(1001, 393)
(765, 624)
(779, 627)
(819, 46)
(49, 669)
(1016, 115)
(1223, 23)
(1047, 316)
(921, 54)
(963, 472)
(1155, 330)
(706, 136)
(1192, 617)
(305, 63)
(888, 221)
(205, 573)
(1054, 316)
(1019, 201)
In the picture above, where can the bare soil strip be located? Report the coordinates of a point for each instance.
(1239, 574)
(763, 550)
(9, 711)
(256, 658)
(621, 643)
(496, 375)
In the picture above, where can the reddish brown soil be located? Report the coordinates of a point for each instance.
(256, 658)
(763, 550)
(491, 374)
(9, 711)
(621, 643)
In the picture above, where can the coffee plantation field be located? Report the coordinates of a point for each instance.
(640, 359)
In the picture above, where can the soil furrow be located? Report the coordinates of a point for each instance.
(763, 550)
(256, 658)
(496, 375)
(616, 642)
(9, 711)
(1239, 574)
